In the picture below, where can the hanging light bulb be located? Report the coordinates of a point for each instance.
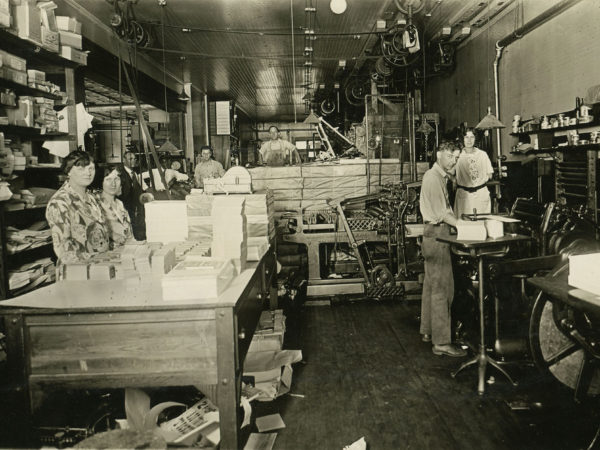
(338, 6)
(183, 96)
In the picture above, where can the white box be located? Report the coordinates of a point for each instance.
(70, 39)
(67, 23)
(74, 55)
(27, 21)
(197, 280)
(584, 272)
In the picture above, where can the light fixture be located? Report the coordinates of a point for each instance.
(489, 122)
(312, 118)
(182, 95)
(338, 6)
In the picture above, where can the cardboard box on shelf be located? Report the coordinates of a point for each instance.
(27, 21)
(70, 39)
(47, 14)
(12, 61)
(67, 23)
(74, 55)
(50, 39)
(5, 20)
(13, 75)
(36, 76)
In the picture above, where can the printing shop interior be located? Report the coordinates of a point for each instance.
(300, 224)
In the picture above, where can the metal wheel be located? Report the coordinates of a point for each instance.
(556, 353)
(382, 276)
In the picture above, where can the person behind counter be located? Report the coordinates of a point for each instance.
(207, 167)
(278, 152)
(79, 227)
(438, 284)
(473, 170)
(117, 216)
(131, 189)
(170, 175)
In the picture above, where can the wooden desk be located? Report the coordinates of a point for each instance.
(478, 250)
(101, 334)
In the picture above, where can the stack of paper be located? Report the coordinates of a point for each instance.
(197, 280)
(199, 208)
(256, 248)
(229, 230)
(584, 272)
(163, 260)
(260, 214)
(471, 231)
(166, 221)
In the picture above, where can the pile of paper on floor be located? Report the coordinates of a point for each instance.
(197, 280)
(272, 371)
(229, 230)
(269, 332)
(199, 208)
(166, 221)
(584, 272)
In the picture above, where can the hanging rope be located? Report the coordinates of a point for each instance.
(293, 61)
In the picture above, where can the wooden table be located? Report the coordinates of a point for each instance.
(479, 250)
(104, 334)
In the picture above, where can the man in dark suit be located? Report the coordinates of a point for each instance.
(130, 195)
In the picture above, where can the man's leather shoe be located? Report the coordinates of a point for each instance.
(448, 350)
(426, 337)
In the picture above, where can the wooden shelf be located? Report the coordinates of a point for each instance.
(32, 133)
(34, 53)
(593, 123)
(30, 250)
(21, 89)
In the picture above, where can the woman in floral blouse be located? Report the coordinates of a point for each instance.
(79, 227)
(117, 216)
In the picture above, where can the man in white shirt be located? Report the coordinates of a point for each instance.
(278, 152)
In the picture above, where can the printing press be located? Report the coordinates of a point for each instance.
(361, 245)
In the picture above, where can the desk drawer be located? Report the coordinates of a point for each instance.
(107, 344)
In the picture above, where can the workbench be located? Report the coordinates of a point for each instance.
(106, 334)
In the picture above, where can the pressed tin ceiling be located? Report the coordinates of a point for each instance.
(243, 50)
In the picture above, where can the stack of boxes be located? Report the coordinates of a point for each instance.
(229, 230)
(166, 221)
(260, 223)
(13, 68)
(199, 209)
(5, 17)
(70, 39)
(34, 20)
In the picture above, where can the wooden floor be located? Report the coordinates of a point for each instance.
(365, 372)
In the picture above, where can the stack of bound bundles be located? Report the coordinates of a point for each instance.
(260, 223)
(229, 230)
(166, 221)
(197, 280)
(199, 209)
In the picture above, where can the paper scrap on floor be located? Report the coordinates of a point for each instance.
(260, 441)
(361, 444)
(272, 371)
(270, 422)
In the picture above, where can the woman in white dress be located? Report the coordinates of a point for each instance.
(473, 170)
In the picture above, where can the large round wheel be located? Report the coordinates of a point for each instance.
(557, 354)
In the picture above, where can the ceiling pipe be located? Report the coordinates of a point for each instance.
(517, 34)
(117, 107)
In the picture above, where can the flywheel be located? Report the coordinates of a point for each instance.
(556, 353)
